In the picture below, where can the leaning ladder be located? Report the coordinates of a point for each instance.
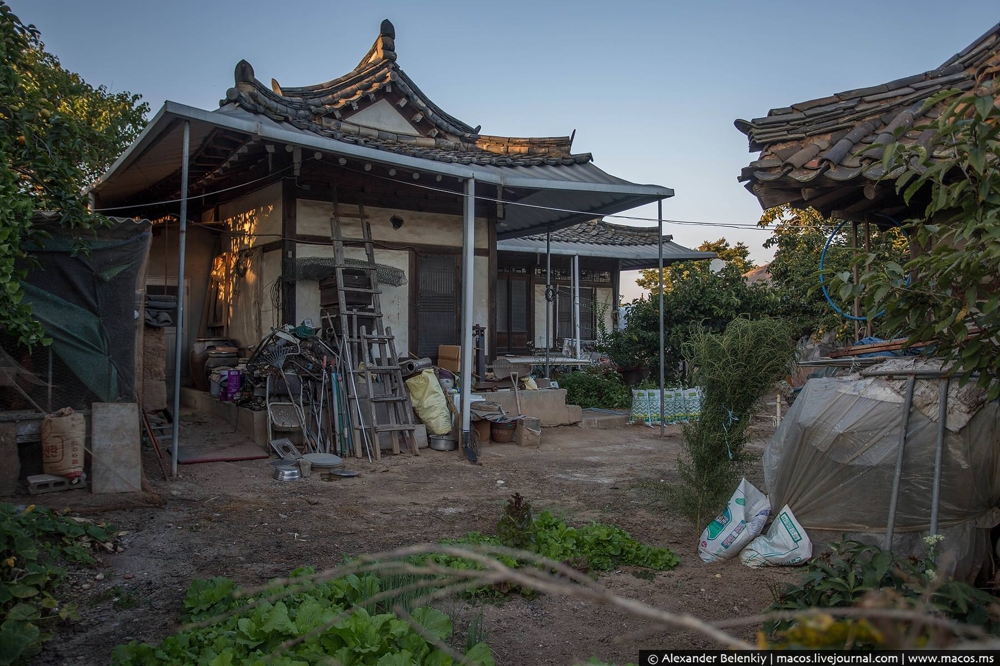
(377, 398)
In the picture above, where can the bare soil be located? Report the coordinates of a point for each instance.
(233, 519)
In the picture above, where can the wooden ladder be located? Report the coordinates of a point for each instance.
(377, 398)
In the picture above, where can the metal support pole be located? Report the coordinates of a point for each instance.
(179, 337)
(48, 392)
(907, 404)
(857, 299)
(939, 451)
(468, 303)
(659, 243)
(576, 303)
(548, 303)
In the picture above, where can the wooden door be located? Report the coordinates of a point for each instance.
(513, 314)
(438, 293)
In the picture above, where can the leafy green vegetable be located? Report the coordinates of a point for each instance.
(854, 570)
(595, 547)
(257, 628)
(33, 542)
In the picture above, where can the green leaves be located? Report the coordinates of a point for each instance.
(303, 610)
(57, 135)
(32, 544)
(853, 570)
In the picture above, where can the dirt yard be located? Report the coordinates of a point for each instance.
(233, 519)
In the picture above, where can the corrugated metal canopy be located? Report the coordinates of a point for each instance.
(549, 197)
(634, 257)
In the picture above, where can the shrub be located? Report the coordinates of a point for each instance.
(596, 387)
(734, 370)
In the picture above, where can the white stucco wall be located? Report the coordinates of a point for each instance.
(257, 213)
(255, 219)
(313, 218)
(395, 300)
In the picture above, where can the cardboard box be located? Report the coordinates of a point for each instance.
(450, 358)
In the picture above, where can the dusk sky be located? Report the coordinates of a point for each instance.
(651, 88)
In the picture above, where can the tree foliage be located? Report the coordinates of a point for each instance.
(697, 300)
(737, 255)
(57, 134)
(798, 238)
(951, 298)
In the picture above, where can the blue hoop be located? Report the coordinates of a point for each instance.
(822, 262)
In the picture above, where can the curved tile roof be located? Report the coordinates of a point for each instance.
(327, 108)
(823, 144)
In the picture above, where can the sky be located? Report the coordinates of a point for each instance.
(651, 88)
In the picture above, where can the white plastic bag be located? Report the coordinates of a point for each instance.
(786, 543)
(743, 519)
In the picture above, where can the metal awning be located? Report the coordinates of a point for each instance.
(634, 257)
(550, 197)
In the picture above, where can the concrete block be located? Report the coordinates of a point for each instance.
(548, 405)
(603, 420)
(251, 423)
(39, 484)
(116, 463)
(10, 468)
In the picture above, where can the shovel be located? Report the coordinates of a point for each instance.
(517, 396)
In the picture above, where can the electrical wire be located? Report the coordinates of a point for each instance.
(400, 181)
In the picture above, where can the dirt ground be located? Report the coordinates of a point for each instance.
(233, 519)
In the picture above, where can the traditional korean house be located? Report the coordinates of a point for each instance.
(244, 195)
(586, 261)
(827, 153)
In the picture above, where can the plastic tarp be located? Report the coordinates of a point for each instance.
(86, 293)
(832, 460)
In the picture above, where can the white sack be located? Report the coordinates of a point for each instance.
(743, 519)
(786, 543)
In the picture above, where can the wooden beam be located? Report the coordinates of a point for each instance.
(288, 250)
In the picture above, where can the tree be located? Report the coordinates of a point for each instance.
(57, 134)
(698, 299)
(738, 255)
(798, 238)
(951, 295)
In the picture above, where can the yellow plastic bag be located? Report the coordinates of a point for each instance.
(429, 402)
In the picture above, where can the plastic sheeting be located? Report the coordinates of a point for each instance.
(88, 299)
(833, 458)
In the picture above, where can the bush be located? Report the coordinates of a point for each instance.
(734, 370)
(596, 387)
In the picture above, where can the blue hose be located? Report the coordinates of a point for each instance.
(822, 262)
